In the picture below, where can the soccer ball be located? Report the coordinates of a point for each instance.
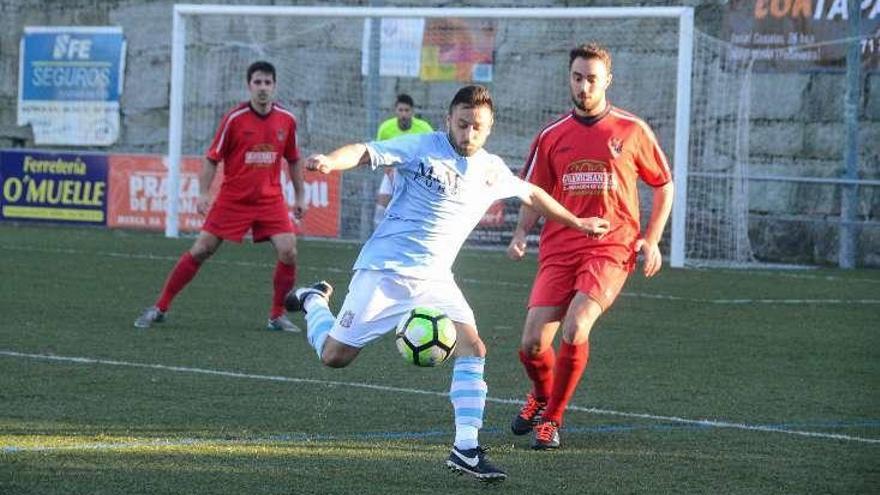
(425, 337)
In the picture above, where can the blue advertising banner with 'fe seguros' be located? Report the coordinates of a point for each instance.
(70, 82)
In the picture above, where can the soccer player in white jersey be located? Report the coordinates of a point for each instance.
(446, 182)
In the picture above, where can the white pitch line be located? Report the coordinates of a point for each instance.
(201, 442)
(494, 283)
(644, 295)
(385, 388)
(152, 257)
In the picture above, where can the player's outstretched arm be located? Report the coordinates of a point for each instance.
(344, 158)
(648, 244)
(550, 208)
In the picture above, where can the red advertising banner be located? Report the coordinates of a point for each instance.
(322, 193)
(494, 216)
(138, 194)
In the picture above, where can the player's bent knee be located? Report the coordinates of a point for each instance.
(204, 247)
(288, 257)
(201, 254)
(334, 361)
(532, 348)
(577, 334)
(338, 357)
(470, 348)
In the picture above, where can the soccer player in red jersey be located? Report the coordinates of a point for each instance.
(252, 141)
(590, 161)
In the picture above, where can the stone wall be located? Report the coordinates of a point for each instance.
(797, 129)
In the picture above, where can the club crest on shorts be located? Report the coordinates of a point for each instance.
(346, 319)
(615, 145)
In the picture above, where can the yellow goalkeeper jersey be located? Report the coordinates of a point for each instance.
(389, 129)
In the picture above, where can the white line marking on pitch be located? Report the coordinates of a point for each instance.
(494, 283)
(385, 388)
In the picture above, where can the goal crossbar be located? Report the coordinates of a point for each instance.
(469, 12)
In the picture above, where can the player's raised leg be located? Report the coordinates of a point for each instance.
(183, 272)
(367, 313)
(313, 301)
(468, 396)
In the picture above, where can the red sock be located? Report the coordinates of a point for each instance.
(285, 276)
(184, 271)
(540, 369)
(569, 368)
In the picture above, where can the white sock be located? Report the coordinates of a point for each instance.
(312, 301)
(319, 322)
(468, 396)
(466, 437)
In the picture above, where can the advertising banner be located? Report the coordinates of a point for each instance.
(400, 47)
(794, 35)
(323, 200)
(55, 187)
(138, 192)
(458, 50)
(69, 83)
(138, 195)
(494, 216)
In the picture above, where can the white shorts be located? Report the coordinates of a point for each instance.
(387, 185)
(376, 301)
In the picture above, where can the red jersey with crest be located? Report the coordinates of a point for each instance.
(591, 166)
(252, 148)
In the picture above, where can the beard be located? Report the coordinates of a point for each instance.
(458, 149)
(582, 105)
(579, 103)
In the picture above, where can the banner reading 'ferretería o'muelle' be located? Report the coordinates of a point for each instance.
(56, 187)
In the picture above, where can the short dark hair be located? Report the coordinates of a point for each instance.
(260, 66)
(473, 96)
(591, 50)
(405, 99)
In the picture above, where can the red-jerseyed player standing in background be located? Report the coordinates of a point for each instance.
(590, 161)
(252, 141)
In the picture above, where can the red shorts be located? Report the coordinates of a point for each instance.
(231, 221)
(558, 280)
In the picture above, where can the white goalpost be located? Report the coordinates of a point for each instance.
(319, 53)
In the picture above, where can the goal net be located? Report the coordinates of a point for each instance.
(717, 187)
(340, 69)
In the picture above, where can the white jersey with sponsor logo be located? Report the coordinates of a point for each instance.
(439, 196)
